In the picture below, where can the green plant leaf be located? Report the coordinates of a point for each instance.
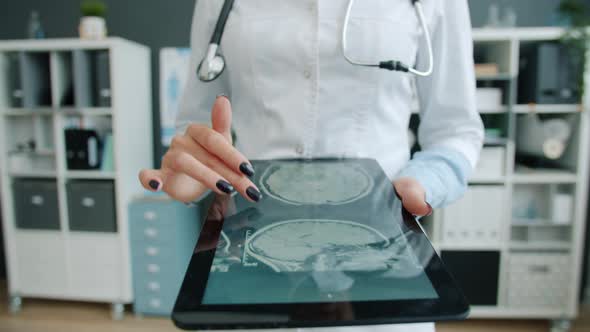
(93, 8)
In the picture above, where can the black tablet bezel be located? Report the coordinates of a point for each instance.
(189, 313)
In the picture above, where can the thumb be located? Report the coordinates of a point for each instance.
(412, 196)
(221, 116)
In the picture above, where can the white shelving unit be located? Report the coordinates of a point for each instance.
(539, 261)
(66, 261)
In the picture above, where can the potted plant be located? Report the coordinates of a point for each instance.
(92, 23)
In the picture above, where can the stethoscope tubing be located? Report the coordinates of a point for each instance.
(213, 64)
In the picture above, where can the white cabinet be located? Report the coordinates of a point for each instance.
(71, 84)
(477, 218)
(538, 280)
(532, 211)
(42, 265)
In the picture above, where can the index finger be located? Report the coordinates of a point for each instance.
(216, 144)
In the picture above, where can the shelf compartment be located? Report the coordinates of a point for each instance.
(88, 142)
(92, 78)
(35, 204)
(541, 235)
(29, 143)
(498, 55)
(63, 77)
(91, 205)
(538, 280)
(480, 288)
(491, 165)
(548, 141)
(12, 95)
(548, 203)
(549, 73)
(35, 78)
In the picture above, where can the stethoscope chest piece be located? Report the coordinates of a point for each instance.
(212, 65)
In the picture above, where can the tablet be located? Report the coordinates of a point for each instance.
(329, 244)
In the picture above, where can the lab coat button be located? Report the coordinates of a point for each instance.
(299, 149)
(307, 74)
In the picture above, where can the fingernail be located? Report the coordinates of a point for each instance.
(154, 184)
(429, 211)
(222, 95)
(253, 194)
(247, 169)
(224, 186)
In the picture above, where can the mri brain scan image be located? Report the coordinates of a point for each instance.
(315, 183)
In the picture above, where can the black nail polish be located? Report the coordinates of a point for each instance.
(253, 194)
(247, 169)
(154, 184)
(224, 186)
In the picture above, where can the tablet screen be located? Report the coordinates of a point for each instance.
(329, 244)
(325, 231)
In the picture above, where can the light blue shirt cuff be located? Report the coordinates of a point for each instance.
(442, 172)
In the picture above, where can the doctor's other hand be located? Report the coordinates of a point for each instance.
(413, 196)
(201, 159)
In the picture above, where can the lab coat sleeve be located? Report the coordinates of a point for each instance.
(198, 97)
(451, 131)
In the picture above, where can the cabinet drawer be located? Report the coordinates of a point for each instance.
(156, 293)
(153, 252)
(155, 305)
(538, 280)
(152, 235)
(91, 206)
(35, 204)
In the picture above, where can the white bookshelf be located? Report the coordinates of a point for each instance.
(515, 238)
(63, 263)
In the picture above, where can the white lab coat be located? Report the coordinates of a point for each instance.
(294, 95)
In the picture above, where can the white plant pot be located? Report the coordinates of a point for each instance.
(92, 27)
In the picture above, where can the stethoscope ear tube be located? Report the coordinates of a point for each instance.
(220, 26)
(393, 65)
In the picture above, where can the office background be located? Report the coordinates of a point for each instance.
(135, 20)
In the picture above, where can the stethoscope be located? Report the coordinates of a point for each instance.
(213, 63)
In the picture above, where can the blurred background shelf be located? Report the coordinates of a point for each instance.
(45, 111)
(547, 108)
(64, 201)
(97, 175)
(544, 176)
(525, 206)
(33, 174)
(86, 111)
(540, 245)
(495, 77)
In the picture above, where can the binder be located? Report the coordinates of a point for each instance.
(35, 79)
(102, 75)
(83, 83)
(14, 80)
